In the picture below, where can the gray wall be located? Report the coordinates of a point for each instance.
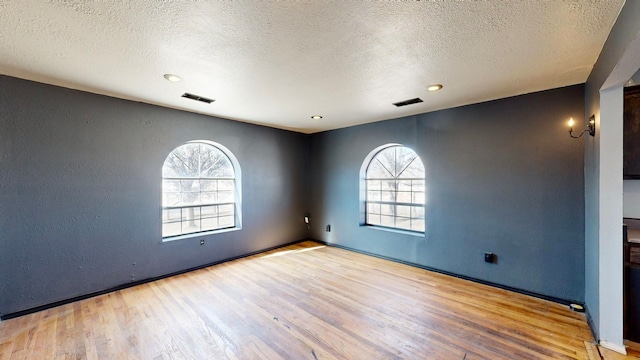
(604, 263)
(631, 192)
(502, 176)
(80, 191)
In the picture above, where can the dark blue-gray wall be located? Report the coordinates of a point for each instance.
(604, 261)
(80, 191)
(502, 176)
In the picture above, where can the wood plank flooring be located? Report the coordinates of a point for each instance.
(305, 301)
(633, 353)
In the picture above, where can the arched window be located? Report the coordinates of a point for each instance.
(394, 195)
(200, 189)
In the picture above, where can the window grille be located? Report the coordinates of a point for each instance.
(198, 190)
(395, 190)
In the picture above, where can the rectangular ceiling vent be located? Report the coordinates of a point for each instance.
(198, 98)
(408, 102)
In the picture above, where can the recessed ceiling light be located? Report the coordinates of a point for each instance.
(316, 117)
(434, 87)
(172, 78)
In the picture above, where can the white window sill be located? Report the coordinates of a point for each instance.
(200, 234)
(397, 231)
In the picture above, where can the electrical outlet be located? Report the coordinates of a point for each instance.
(328, 228)
(201, 241)
(489, 257)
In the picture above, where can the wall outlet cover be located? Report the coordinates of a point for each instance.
(489, 257)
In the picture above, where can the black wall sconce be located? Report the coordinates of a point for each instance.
(591, 127)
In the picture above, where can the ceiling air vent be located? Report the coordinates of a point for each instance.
(408, 102)
(198, 98)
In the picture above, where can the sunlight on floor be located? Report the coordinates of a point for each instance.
(285, 252)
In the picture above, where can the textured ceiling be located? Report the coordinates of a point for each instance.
(277, 63)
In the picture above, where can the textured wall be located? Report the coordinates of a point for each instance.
(602, 260)
(80, 191)
(502, 176)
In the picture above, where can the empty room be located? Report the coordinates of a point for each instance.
(320, 179)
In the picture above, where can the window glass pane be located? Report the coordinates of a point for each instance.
(209, 197)
(373, 185)
(190, 199)
(373, 219)
(210, 223)
(395, 175)
(209, 211)
(377, 170)
(208, 185)
(404, 211)
(190, 226)
(387, 221)
(417, 212)
(215, 164)
(373, 195)
(227, 221)
(373, 208)
(170, 215)
(189, 214)
(389, 185)
(388, 196)
(171, 199)
(413, 169)
(225, 196)
(226, 185)
(387, 160)
(171, 229)
(395, 162)
(417, 224)
(404, 185)
(226, 210)
(388, 210)
(182, 162)
(190, 185)
(171, 185)
(404, 197)
(404, 159)
(199, 173)
(403, 223)
(417, 185)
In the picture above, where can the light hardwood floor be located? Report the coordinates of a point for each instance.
(305, 301)
(633, 353)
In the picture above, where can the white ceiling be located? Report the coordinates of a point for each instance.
(277, 63)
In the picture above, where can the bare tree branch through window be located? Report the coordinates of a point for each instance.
(395, 190)
(198, 190)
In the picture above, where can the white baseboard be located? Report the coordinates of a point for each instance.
(615, 347)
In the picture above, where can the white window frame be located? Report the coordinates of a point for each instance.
(364, 201)
(237, 203)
